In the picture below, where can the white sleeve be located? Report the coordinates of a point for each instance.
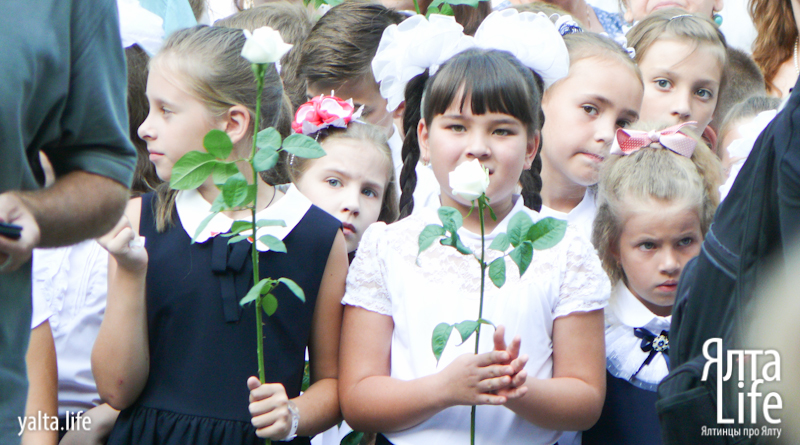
(366, 278)
(585, 285)
(41, 310)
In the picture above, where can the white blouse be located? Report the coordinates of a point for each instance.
(443, 285)
(582, 216)
(624, 355)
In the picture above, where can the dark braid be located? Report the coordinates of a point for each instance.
(410, 152)
(531, 182)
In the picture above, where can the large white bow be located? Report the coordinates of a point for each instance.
(408, 49)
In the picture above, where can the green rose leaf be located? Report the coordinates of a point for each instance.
(268, 138)
(270, 304)
(254, 292)
(234, 191)
(429, 234)
(455, 241)
(306, 378)
(441, 333)
(497, 272)
(273, 243)
(296, 290)
(451, 218)
(203, 225)
(353, 438)
(522, 256)
(500, 243)
(303, 146)
(218, 144)
(191, 170)
(485, 321)
(466, 328)
(518, 228)
(238, 238)
(238, 227)
(547, 232)
(223, 171)
(270, 222)
(218, 205)
(265, 159)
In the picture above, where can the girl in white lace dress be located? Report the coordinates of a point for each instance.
(485, 105)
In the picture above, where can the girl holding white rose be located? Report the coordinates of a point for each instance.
(479, 128)
(175, 349)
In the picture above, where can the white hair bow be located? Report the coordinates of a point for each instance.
(408, 49)
(139, 26)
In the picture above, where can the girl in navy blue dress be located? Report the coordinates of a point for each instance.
(657, 192)
(176, 353)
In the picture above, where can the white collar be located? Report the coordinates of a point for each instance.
(624, 355)
(587, 205)
(193, 209)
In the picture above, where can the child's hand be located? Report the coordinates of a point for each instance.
(517, 388)
(476, 379)
(125, 246)
(269, 409)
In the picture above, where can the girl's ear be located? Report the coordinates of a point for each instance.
(628, 14)
(422, 140)
(532, 148)
(718, 4)
(236, 123)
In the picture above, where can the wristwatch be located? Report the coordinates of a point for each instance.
(295, 421)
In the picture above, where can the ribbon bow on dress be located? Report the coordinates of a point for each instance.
(653, 344)
(628, 142)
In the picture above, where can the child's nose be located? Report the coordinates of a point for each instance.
(681, 107)
(351, 202)
(145, 131)
(670, 262)
(479, 146)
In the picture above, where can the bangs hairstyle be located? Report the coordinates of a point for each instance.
(652, 173)
(674, 23)
(494, 81)
(207, 62)
(585, 45)
(369, 136)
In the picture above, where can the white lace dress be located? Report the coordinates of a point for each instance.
(444, 286)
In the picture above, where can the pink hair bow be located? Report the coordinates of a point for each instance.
(630, 141)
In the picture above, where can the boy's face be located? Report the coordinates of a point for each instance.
(364, 91)
(638, 9)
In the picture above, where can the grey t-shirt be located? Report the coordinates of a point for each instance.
(63, 92)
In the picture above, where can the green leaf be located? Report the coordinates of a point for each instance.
(270, 304)
(238, 238)
(451, 218)
(491, 212)
(441, 333)
(485, 321)
(334, 2)
(254, 292)
(303, 146)
(547, 232)
(353, 438)
(296, 290)
(306, 378)
(466, 328)
(429, 234)
(270, 222)
(265, 159)
(238, 227)
(234, 192)
(497, 272)
(191, 170)
(522, 255)
(518, 228)
(218, 144)
(500, 243)
(219, 204)
(223, 171)
(273, 243)
(455, 241)
(203, 225)
(268, 138)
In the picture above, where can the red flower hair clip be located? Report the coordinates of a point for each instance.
(323, 112)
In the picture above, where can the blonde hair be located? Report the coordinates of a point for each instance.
(368, 135)
(209, 65)
(674, 23)
(584, 45)
(651, 173)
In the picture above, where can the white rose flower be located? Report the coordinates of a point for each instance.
(264, 45)
(470, 180)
